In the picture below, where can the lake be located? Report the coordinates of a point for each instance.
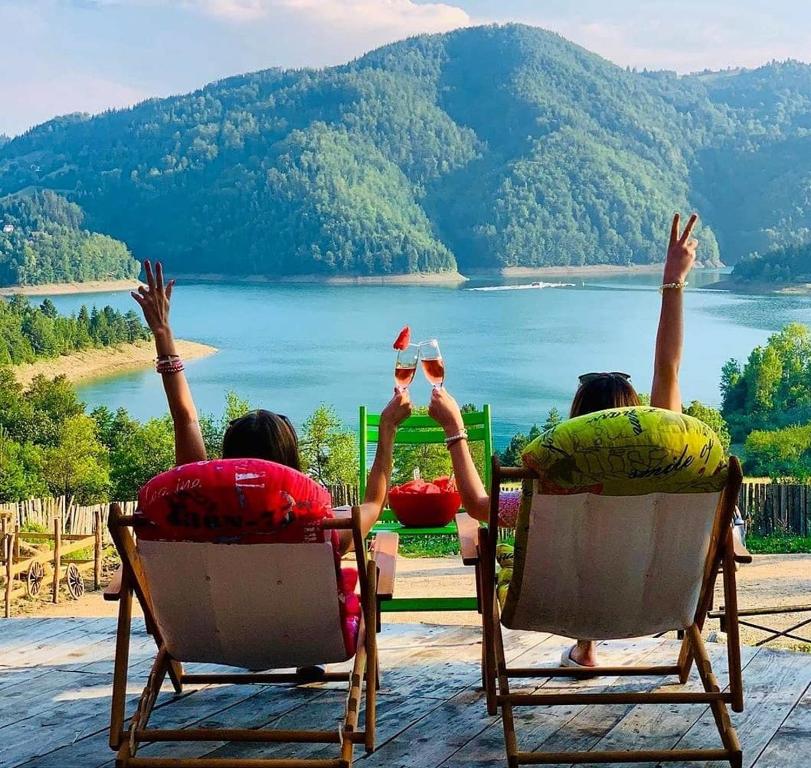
(291, 347)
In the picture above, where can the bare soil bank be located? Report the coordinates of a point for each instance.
(53, 289)
(105, 361)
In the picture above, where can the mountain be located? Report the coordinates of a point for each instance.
(42, 241)
(483, 148)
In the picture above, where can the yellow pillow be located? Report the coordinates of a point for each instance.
(628, 452)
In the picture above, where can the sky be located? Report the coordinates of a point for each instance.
(61, 56)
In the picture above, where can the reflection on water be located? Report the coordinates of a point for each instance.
(290, 347)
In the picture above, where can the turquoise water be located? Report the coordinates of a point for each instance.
(290, 347)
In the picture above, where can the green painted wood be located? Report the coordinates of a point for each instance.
(428, 604)
(422, 430)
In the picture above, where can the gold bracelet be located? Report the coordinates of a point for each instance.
(675, 286)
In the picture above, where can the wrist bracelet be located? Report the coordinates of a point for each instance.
(449, 441)
(169, 365)
(674, 286)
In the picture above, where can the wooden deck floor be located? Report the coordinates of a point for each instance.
(55, 677)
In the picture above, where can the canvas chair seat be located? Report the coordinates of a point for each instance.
(257, 606)
(609, 567)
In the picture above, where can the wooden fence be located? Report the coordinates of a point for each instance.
(776, 508)
(40, 513)
(767, 508)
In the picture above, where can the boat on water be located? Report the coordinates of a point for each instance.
(524, 286)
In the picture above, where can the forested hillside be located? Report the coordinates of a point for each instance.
(783, 265)
(29, 333)
(481, 148)
(42, 241)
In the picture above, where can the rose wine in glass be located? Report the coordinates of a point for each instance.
(406, 366)
(433, 366)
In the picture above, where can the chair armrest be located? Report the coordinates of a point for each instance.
(468, 532)
(739, 550)
(113, 590)
(384, 553)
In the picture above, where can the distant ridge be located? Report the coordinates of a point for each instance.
(481, 149)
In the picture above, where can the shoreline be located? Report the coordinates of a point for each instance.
(757, 287)
(586, 270)
(415, 278)
(102, 362)
(64, 289)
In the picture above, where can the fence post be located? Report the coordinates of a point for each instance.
(8, 545)
(97, 550)
(57, 523)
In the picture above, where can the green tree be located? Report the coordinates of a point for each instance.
(77, 466)
(779, 454)
(328, 450)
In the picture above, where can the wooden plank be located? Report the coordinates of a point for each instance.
(651, 727)
(773, 684)
(789, 747)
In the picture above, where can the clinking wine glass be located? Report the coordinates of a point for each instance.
(433, 366)
(406, 366)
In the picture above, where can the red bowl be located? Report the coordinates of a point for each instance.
(425, 510)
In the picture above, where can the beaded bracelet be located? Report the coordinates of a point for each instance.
(675, 286)
(169, 364)
(449, 441)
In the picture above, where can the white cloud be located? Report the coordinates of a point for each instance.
(398, 16)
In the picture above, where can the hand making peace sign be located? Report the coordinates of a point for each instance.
(681, 251)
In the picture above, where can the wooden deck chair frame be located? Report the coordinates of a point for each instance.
(496, 673)
(420, 429)
(375, 576)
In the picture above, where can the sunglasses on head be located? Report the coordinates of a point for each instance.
(585, 378)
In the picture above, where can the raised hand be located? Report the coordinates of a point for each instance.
(154, 298)
(398, 409)
(444, 410)
(681, 251)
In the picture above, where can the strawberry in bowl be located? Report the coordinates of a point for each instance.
(418, 504)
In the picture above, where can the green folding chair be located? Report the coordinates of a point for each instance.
(423, 430)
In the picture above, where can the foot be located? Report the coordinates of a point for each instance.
(584, 653)
(311, 673)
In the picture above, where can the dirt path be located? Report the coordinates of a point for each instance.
(772, 580)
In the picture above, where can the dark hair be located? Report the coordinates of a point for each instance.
(607, 390)
(262, 434)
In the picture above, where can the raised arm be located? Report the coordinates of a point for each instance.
(154, 301)
(681, 255)
(445, 411)
(377, 484)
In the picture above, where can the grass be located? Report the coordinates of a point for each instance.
(447, 546)
(778, 544)
(434, 546)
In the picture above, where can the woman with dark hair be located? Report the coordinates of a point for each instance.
(596, 392)
(259, 434)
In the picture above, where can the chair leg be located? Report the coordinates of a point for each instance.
(122, 653)
(732, 629)
(371, 660)
(726, 730)
(489, 610)
(507, 720)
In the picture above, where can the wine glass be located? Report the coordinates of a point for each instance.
(433, 366)
(406, 366)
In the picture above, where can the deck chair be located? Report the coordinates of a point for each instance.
(423, 430)
(608, 567)
(251, 609)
